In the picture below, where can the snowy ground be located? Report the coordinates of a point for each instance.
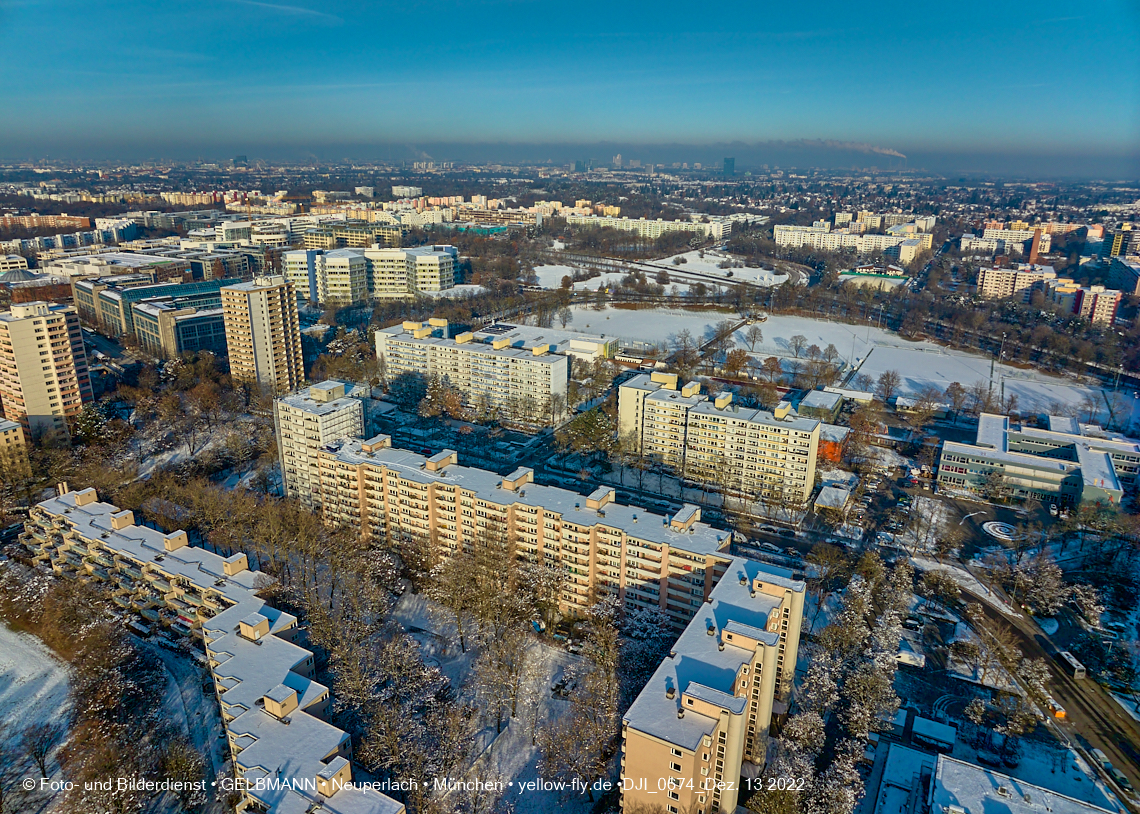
(967, 581)
(920, 364)
(33, 682)
(193, 711)
(510, 755)
(927, 365)
(33, 690)
(710, 263)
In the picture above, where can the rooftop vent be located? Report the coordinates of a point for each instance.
(743, 580)
(670, 692)
(711, 630)
(286, 720)
(681, 712)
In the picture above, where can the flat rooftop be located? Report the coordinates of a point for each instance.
(977, 790)
(486, 485)
(698, 665)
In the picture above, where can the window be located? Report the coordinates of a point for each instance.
(676, 752)
(674, 767)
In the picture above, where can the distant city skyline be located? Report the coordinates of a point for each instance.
(1052, 90)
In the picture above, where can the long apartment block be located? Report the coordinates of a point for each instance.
(708, 707)
(293, 760)
(743, 450)
(647, 560)
(1069, 463)
(495, 376)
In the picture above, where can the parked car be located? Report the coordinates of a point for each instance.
(1120, 779)
(1053, 512)
(771, 549)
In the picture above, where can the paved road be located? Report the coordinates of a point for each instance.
(1093, 719)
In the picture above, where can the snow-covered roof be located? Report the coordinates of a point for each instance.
(293, 750)
(977, 790)
(699, 667)
(637, 523)
(820, 399)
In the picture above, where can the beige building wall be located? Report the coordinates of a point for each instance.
(603, 548)
(263, 333)
(746, 451)
(306, 421)
(44, 381)
(684, 742)
(522, 384)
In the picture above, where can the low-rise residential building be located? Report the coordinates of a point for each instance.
(44, 381)
(709, 705)
(528, 387)
(309, 419)
(1016, 281)
(958, 786)
(272, 709)
(743, 450)
(1068, 464)
(821, 404)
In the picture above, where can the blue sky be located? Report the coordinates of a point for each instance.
(162, 78)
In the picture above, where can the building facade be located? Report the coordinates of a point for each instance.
(651, 229)
(604, 548)
(708, 707)
(308, 420)
(263, 333)
(1124, 274)
(1018, 281)
(273, 710)
(821, 236)
(109, 302)
(743, 450)
(1095, 303)
(528, 387)
(167, 329)
(1068, 464)
(44, 381)
(404, 273)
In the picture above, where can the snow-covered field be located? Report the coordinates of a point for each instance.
(920, 364)
(710, 264)
(33, 682)
(927, 365)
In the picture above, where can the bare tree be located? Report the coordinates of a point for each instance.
(888, 384)
(38, 741)
(753, 336)
(797, 343)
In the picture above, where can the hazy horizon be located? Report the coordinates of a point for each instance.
(973, 88)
